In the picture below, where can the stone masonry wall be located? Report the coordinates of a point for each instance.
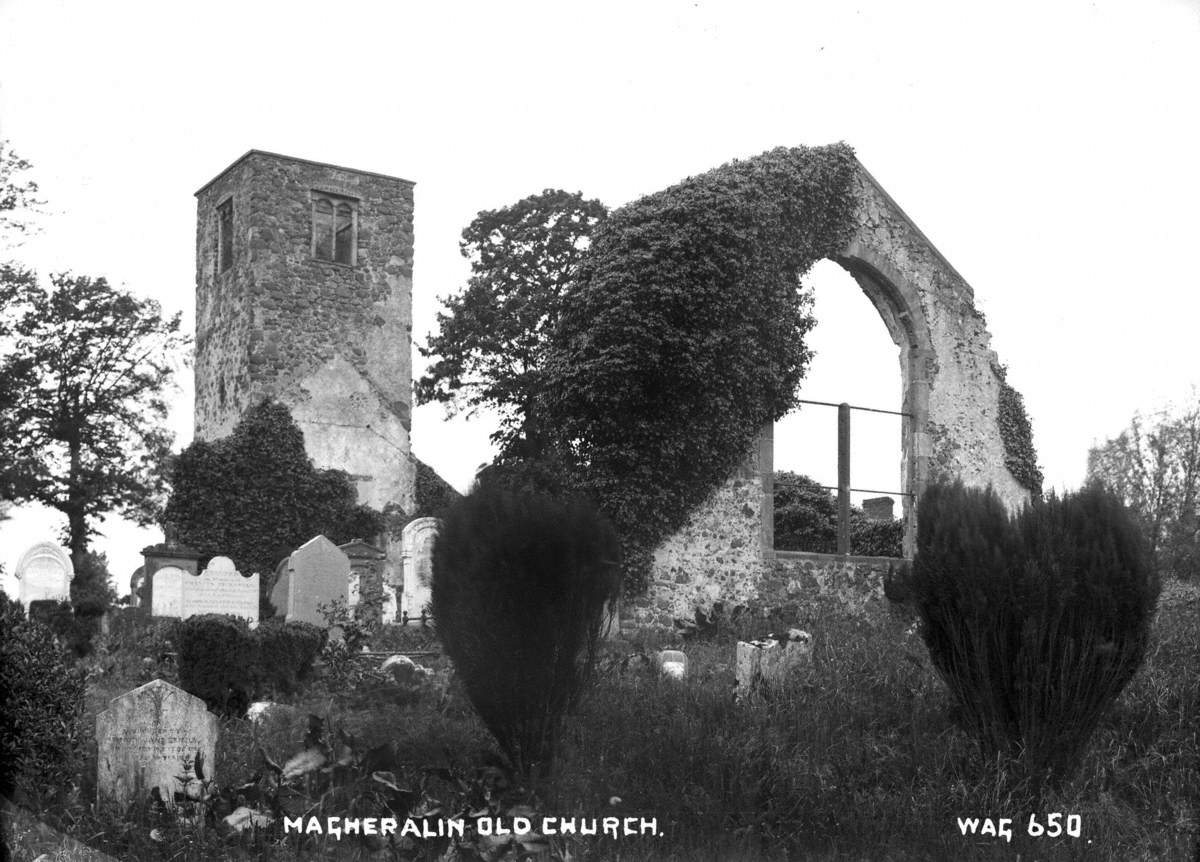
(950, 389)
(331, 341)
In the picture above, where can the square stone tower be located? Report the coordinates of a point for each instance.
(304, 294)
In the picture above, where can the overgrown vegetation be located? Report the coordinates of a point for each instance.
(521, 585)
(41, 714)
(1036, 622)
(684, 333)
(1154, 467)
(806, 519)
(255, 496)
(1016, 432)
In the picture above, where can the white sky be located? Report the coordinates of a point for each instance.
(1048, 150)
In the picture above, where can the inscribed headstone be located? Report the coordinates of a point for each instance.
(221, 589)
(318, 573)
(45, 573)
(150, 737)
(166, 595)
(416, 564)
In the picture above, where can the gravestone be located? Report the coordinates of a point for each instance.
(391, 605)
(317, 573)
(221, 589)
(671, 663)
(166, 593)
(146, 739)
(168, 553)
(366, 581)
(45, 573)
(772, 661)
(416, 565)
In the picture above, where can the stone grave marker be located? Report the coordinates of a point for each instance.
(146, 739)
(45, 573)
(166, 595)
(221, 589)
(416, 565)
(317, 573)
(771, 661)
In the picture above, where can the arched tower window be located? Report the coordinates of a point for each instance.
(335, 229)
(225, 235)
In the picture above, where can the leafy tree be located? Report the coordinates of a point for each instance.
(491, 342)
(255, 495)
(806, 519)
(84, 367)
(1154, 467)
(684, 333)
(18, 195)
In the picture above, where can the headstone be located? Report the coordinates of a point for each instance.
(221, 589)
(318, 572)
(148, 737)
(672, 663)
(416, 565)
(45, 573)
(366, 580)
(772, 661)
(169, 553)
(166, 594)
(390, 605)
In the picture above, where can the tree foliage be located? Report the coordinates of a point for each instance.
(1154, 467)
(491, 341)
(520, 587)
(82, 415)
(18, 194)
(684, 333)
(1035, 622)
(255, 495)
(806, 519)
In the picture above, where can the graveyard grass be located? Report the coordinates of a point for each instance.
(861, 761)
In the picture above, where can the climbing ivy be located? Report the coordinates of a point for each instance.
(684, 334)
(1020, 457)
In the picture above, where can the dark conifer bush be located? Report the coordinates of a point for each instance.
(217, 659)
(521, 583)
(285, 652)
(41, 710)
(1035, 622)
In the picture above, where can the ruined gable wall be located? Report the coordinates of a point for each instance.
(950, 386)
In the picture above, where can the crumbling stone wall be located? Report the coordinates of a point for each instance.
(951, 389)
(330, 340)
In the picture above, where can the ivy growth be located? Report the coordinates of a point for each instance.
(1020, 457)
(684, 334)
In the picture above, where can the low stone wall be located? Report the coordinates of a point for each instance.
(792, 582)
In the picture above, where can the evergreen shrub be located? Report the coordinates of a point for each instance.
(41, 711)
(285, 652)
(216, 657)
(1035, 622)
(521, 586)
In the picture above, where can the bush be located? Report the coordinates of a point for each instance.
(520, 587)
(806, 519)
(217, 662)
(1035, 623)
(41, 716)
(285, 652)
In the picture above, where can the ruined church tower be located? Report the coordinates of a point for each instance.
(304, 294)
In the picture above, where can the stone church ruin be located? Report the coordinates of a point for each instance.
(304, 294)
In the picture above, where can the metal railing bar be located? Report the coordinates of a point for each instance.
(855, 407)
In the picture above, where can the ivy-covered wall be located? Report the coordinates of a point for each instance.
(965, 421)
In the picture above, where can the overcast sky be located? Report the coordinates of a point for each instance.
(1048, 150)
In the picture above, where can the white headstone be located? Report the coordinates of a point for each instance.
(220, 589)
(148, 737)
(45, 573)
(390, 605)
(416, 564)
(672, 663)
(166, 596)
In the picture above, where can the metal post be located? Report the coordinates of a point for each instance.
(843, 527)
